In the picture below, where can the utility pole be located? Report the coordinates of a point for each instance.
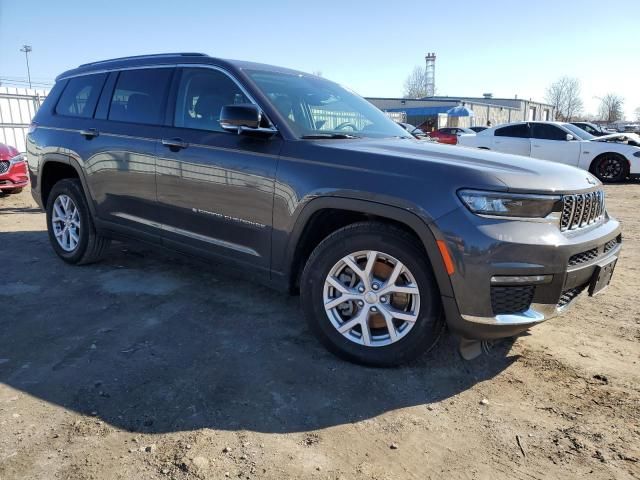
(27, 49)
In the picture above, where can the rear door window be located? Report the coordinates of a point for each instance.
(140, 96)
(80, 96)
(520, 130)
(546, 131)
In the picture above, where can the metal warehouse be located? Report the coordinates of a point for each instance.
(435, 112)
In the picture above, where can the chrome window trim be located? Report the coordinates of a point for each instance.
(109, 70)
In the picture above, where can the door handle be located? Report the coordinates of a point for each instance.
(536, 146)
(89, 133)
(174, 143)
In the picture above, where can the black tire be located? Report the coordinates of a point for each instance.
(392, 241)
(91, 245)
(610, 168)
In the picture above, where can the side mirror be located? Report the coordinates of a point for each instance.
(244, 119)
(570, 137)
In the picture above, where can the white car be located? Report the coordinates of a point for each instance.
(611, 158)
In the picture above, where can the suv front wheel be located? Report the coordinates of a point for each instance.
(370, 296)
(71, 230)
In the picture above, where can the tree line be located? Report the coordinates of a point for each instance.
(564, 94)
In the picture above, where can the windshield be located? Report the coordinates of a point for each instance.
(578, 132)
(317, 108)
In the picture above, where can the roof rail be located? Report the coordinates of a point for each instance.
(154, 55)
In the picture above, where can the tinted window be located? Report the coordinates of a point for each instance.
(546, 131)
(80, 96)
(519, 131)
(139, 96)
(201, 95)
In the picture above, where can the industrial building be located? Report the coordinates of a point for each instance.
(434, 111)
(439, 112)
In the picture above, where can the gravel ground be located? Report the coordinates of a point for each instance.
(150, 365)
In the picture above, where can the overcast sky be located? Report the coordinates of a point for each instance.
(504, 47)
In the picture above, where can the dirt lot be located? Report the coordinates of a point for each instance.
(154, 366)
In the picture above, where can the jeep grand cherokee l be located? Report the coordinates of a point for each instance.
(306, 186)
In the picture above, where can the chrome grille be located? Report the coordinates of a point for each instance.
(581, 210)
(4, 167)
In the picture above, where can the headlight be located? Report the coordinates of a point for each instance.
(510, 204)
(17, 159)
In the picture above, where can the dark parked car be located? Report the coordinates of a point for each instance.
(592, 128)
(303, 185)
(13, 170)
(478, 129)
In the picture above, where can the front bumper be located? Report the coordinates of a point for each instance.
(15, 177)
(483, 248)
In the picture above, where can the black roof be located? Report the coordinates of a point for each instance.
(168, 59)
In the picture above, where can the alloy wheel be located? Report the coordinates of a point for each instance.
(371, 298)
(610, 168)
(66, 223)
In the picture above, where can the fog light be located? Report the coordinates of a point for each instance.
(520, 279)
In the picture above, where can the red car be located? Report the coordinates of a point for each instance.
(13, 170)
(450, 134)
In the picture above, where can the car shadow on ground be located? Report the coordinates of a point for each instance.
(153, 342)
(18, 210)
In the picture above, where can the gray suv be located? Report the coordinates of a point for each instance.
(303, 185)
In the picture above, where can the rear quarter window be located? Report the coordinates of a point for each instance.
(80, 96)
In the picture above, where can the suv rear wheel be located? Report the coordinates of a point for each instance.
(71, 230)
(370, 296)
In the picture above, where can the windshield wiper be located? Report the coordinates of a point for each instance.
(328, 135)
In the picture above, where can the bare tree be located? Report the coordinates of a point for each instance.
(415, 85)
(564, 95)
(611, 107)
(317, 73)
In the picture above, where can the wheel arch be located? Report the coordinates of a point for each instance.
(56, 167)
(318, 220)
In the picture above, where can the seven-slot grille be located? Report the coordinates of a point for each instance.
(581, 210)
(4, 167)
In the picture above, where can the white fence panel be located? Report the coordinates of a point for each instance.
(18, 106)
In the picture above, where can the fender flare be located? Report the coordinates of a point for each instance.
(410, 219)
(73, 163)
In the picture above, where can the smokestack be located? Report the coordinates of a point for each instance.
(430, 74)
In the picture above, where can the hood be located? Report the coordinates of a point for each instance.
(623, 137)
(7, 152)
(471, 166)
